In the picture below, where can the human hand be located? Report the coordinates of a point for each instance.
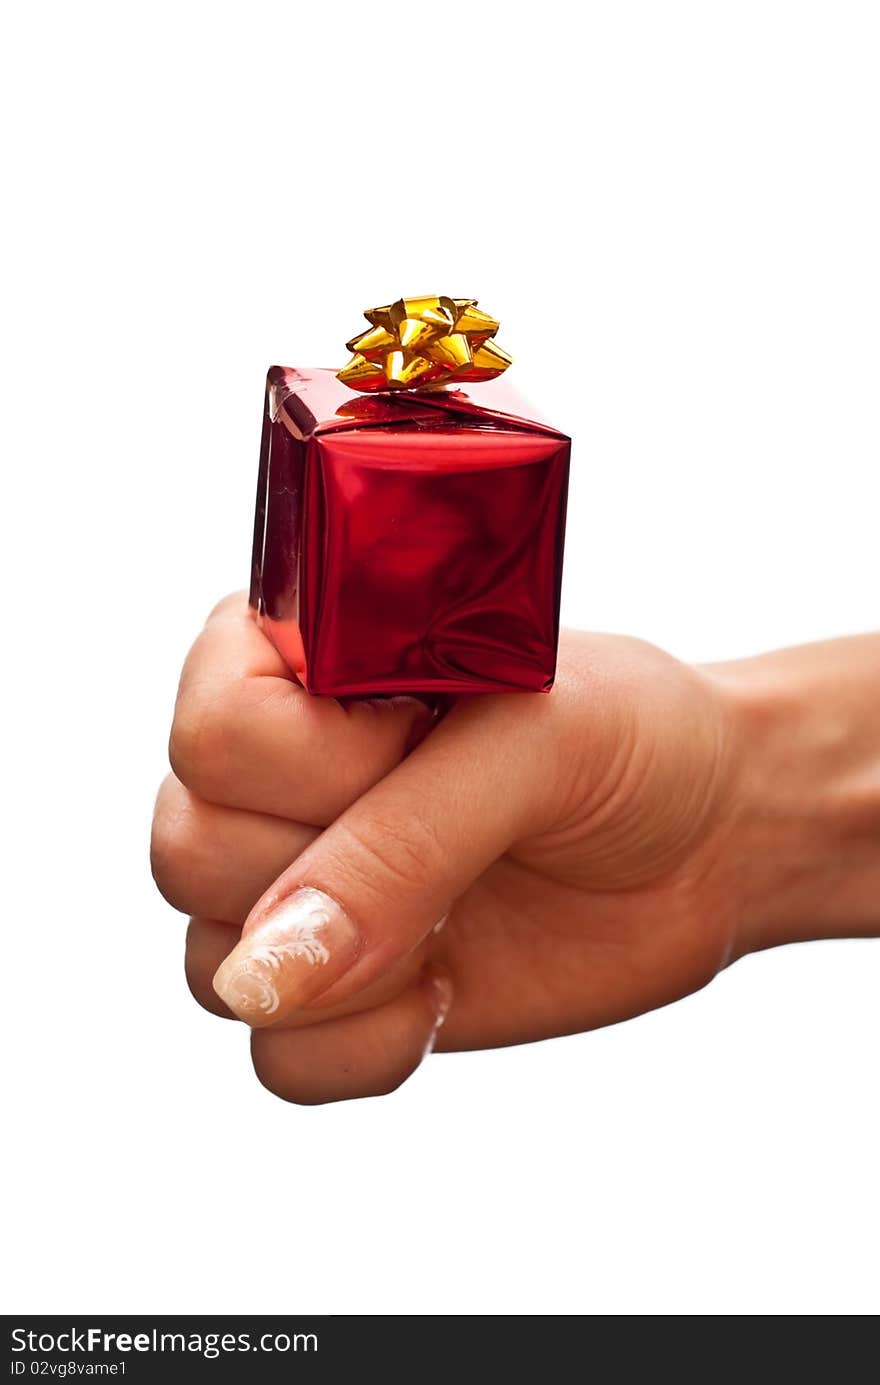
(587, 853)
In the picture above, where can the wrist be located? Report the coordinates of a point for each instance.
(805, 810)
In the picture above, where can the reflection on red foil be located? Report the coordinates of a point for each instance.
(408, 542)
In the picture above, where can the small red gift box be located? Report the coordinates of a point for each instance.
(408, 542)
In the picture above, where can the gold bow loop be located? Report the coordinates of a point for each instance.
(418, 343)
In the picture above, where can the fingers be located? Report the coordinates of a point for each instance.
(371, 888)
(367, 1054)
(217, 861)
(247, 736)
(209, 942)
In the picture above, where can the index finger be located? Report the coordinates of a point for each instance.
(247, 735)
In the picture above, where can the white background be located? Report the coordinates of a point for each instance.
(674, 211)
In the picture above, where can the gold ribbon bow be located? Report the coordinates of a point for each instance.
(417, 343)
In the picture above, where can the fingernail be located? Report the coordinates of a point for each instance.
(295, 953)
(440, 992)
(424, 721)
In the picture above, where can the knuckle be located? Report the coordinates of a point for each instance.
(200, 736)
(384, 1084)
(233, 603)
(173, 843)
(405, 850)
(203, 994)
(303, 1083)
(276, 1074)
(199, 976)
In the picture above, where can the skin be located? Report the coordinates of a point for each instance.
(591, 854)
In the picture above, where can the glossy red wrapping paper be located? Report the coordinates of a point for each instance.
(408, 542)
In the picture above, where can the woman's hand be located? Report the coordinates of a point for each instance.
(535, 866)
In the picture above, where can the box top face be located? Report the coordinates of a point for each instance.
(313, 401)
(439, 452)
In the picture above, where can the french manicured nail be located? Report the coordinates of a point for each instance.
(295, 953)
(440, 993)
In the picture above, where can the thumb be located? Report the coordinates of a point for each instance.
(373, 885)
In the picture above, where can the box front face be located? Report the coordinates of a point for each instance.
(432, 559)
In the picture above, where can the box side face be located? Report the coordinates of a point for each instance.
(433, 560)
(256, 585)
(275, 578)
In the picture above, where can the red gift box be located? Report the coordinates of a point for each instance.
(408, 542)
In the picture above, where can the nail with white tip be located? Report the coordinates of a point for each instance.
(293, 954)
